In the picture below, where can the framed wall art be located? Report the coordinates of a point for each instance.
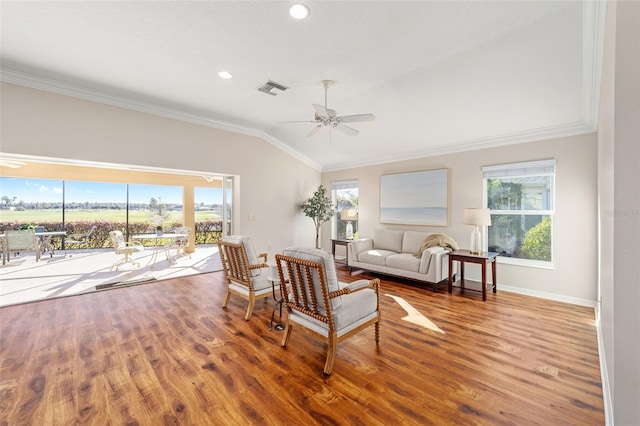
(415, 198)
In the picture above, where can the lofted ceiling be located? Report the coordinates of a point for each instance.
(440, 76)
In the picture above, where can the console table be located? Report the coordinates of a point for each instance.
(483, 259)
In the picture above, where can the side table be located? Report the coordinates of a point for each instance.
(274, 278)
(340, 242)
(483, 259)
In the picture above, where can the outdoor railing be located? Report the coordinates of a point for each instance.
(206, 231)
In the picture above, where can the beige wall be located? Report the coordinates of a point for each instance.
(35, 122)
(573, 278)
(618, 183)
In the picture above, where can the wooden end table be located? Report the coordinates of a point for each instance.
(483, 259)
(340, 242)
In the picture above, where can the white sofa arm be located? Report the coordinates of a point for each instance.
(357, 246)
(428, 258)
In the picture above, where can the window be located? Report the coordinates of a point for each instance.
(521, 199)
(135, 208)
(344, 195)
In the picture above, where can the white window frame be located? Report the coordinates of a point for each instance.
(343, 184)
(513, 170)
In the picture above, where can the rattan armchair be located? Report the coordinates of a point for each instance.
(245, 276)
(318, 304)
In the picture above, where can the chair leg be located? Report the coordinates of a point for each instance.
(123, 261)
(285, 336)
(252, 302)
(377, 327)
(331, 353)
(226, 299)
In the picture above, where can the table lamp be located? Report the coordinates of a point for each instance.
(349, 215)
(477, 218)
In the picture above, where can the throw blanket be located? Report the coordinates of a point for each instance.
(433, 240)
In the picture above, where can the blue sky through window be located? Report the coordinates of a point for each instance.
(44, 190)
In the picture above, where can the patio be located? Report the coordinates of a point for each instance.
(24, 280)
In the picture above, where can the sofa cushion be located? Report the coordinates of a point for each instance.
(413, 240)
(388, 239)
(404, 261)
(375, 257)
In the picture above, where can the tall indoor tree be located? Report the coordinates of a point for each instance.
(320, 208)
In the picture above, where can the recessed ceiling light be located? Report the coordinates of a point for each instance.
(299, 11)
(224, 74)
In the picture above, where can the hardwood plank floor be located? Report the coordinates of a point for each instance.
(167, 353)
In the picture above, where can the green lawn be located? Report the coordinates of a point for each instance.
(45, 216)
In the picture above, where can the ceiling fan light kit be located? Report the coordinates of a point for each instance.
(325, 117)
(299, 11)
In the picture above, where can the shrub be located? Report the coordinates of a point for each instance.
(537, 241)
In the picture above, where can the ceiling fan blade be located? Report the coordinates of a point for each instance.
(331, 112)
(314, 131)
(357, 117)
(346, 129)
(320, 110)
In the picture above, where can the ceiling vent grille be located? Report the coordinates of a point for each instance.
(269, 86)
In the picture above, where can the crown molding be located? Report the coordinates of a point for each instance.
(594, 14)
(533, 135)
(75, 91)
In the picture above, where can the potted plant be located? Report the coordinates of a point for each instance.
(320, 208)
(158, 221)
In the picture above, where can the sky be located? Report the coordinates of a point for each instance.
(44, 190)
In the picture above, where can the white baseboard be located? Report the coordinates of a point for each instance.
(549, 296)
(604, 374)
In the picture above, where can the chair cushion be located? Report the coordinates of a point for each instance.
(326, 259)
(356, 309)
(259, 282)
(252, 258)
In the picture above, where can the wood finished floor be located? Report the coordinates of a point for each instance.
(167, 353)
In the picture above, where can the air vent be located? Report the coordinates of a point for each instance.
(270, 86)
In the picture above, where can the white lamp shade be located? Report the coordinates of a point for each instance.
(477, 217)
(348, 214)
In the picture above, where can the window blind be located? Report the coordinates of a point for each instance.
(344, 184)
(532, 168)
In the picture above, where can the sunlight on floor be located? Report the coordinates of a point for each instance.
(414, 316)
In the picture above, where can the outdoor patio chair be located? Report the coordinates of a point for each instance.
(16, 241)
(179, 243)
(245, 276)
(318, 304)
(79, 240)
(124, 248)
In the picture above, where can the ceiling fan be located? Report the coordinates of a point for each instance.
(325, 117)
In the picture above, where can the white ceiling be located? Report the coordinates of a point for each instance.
(440, 76)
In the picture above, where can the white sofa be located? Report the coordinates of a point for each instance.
(391, 252)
